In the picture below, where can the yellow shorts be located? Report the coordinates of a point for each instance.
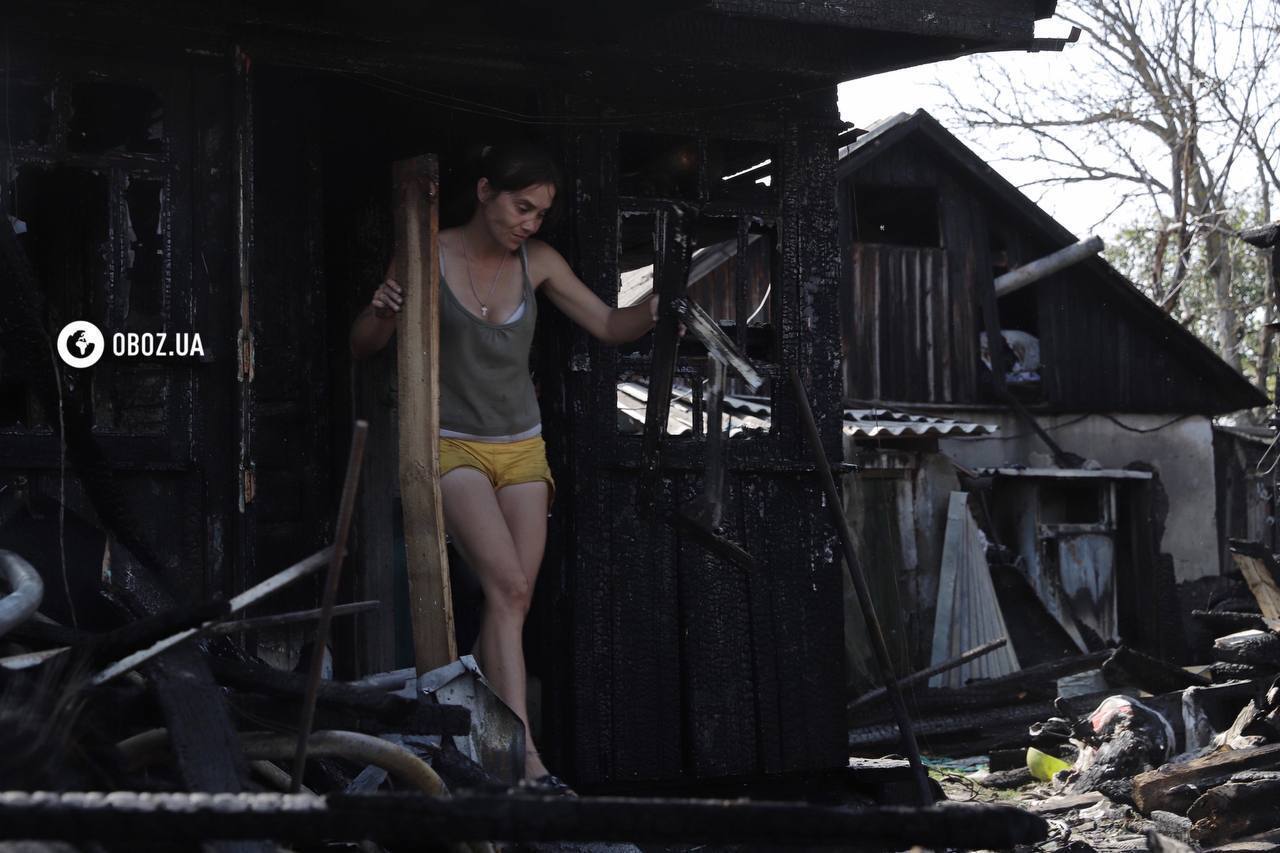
(504, 463)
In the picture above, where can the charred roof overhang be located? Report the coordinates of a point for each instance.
(673, 49)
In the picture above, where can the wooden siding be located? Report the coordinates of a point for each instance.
(1104, 346)
(907, 334)
(1098, 356)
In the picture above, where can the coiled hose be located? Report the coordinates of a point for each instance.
(26, 591)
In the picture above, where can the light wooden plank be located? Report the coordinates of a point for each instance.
(415, 184)
(1261, 584)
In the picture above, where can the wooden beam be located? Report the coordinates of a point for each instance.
(415, 184)
(1174, 787)
(1261, 583)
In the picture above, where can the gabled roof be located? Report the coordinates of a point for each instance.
(976, 172)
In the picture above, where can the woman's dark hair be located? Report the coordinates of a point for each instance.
(511, 166)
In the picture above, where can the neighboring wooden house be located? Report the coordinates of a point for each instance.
(224, 168)
(926, 226)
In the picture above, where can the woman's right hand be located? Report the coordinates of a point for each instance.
(387, 299)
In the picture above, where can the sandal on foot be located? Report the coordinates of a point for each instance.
(549, 783)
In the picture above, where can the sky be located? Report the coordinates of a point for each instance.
(869, 99)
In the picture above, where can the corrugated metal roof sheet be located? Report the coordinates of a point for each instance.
(753, 412)
(887, 423)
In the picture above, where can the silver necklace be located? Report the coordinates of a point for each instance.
(484, 308)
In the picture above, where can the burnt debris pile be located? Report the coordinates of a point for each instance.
(1116, 742)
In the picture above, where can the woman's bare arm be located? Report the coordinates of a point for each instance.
(376, 323)
(576, 300)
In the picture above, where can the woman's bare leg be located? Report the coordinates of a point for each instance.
(502, 536)
(524, 506)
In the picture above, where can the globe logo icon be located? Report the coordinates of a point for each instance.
(81, 344)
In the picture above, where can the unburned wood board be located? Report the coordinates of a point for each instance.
(415, 183)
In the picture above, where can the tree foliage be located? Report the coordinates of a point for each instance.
(1171, 107)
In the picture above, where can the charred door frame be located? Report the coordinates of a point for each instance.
(796, 719)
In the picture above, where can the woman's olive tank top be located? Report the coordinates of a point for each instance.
(486, 392)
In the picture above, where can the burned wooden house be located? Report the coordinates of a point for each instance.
(224, 170)
(1087, 368)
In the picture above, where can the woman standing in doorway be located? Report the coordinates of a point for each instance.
(495, 482)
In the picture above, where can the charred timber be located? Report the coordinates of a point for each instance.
(411, 818)
(924, 674)
(1255, 648)
(1227, 620)
(1127, 666)
(988, 726)
(1235, 809)
(1034, 684)
(1222, 671)
(396, 713)
(1174, 787)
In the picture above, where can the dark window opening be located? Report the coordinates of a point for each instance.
(115, 117)
(1020, 310)
(1073, 503)
(1023, 356)
(145, 259)
(654, 165)
(67, 240)
(740, 171)
(28, 114)
(902, 216)
(731, 274)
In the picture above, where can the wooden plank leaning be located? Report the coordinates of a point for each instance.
(415, 182)
(1258, 575)
(835, 507)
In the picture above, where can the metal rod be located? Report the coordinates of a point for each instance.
(255, 593)
(276, 619)
(1040, 268)
(823, 467)
(916, 677)
(345, 511)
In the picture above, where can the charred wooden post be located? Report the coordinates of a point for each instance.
(676, 227)
(834, 504)
(246, 525)
(330, 596)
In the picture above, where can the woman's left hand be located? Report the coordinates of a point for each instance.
(653, 314)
